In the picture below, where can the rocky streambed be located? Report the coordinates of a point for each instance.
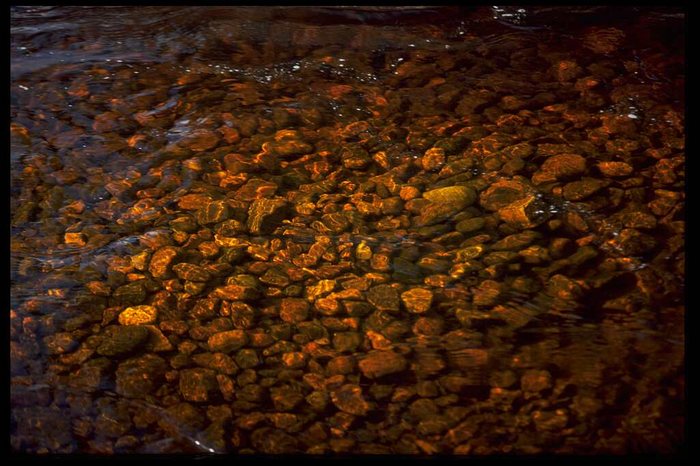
(450, 236)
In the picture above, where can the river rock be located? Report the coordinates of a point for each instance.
(119, 339)
(198, 385)
(162, 260)
(348, 398)
(294, 310)
(502, 193)
(265, 215)
(191, 272)
(417, 300)
(236, 293)
(214, 212)
(457, 197)
(560, 167)
(226, 342)
(615, 169)
(138, 377)
(138, 315)
(380, 363)
(384, 298)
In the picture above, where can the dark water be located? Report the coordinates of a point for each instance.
(370, 230)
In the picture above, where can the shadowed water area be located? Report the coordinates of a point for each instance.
(454, 231)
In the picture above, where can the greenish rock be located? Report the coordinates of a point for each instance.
(471, 224)
(458, 197)
(405, 270)
(130, 294)
(122, 339)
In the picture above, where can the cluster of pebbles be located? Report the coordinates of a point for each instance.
(426, 262)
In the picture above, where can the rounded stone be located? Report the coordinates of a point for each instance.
(138, 315)
(349, 399)
(294, 310)
(122, 339)
(457, 197)
(380, 363)
(198, 384)
(225, 342)
(417, 300)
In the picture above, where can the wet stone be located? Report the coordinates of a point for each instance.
(336, 222)
(198, 385)
(502, 193)
(348, 398)
(275, 277)
(237, 293)
(140, 376)
(294, 310)
(218, 362)
(535, 381)
(384, 298)
(457, 197)
(380, 363)
(157, 341)
(119, 340)
(433, 159)
(162, 260)
(615, 169)
(347, 341)
(214, 212)
(60, 343)
(200, 140)
(516, 241)
(633, 242)
(228, 341)
(138, 315)
(560, 167)
(131, 293)
(579, 190)
(488, 293)
(285, 398)
(417, 300)
(247, 358)
(470, 225)
(287, 148)
(191, 272)
(265, 215)
(528, 212)
(256, 188)
(355, 158)
(273, 441)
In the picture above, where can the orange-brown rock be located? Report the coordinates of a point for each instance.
(294, 310)
(380, 363)
(615, 169)
(417, 300)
